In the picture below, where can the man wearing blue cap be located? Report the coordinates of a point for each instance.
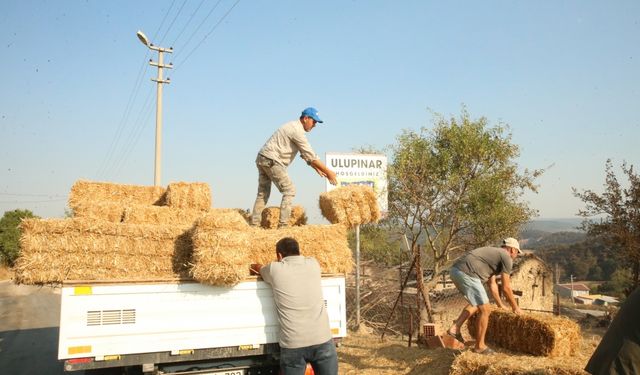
(276, 155)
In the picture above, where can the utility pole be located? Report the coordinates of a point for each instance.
(159, 81)
(572, 300)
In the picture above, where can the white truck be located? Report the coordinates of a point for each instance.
(178, 327)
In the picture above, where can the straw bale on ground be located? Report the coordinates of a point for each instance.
(189, 195)
(470, 363)
(536, 334)
(138, 214)
(350, 205)
(54, 250)
(89, 192)
(223, 256)
(271, 217)
(107, 211)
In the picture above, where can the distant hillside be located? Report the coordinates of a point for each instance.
(535, 240)
(554, 225)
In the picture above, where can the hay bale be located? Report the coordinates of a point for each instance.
(55, 250)
(89, 192)
(189, 195)
(223, 218)
(107, 211)
(350, 205)
(223, 256)
(470, 363)
(271, 217)
(137, 214)
(536, 334)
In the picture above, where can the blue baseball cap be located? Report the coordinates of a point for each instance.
(311, 112)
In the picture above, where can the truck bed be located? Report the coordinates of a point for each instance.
(106, 322)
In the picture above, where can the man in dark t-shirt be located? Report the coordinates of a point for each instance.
(469, 272)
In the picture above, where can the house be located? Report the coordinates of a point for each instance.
(572, 290)
(605, 301)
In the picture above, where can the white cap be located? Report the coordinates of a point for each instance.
(512, 242)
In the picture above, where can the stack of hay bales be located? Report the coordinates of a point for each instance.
(126, 232)
(271, 217)
(223, 255)
(55, 250)
(535, 334)
(350, 205)
(117, 232)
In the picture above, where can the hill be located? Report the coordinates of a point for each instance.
(555, 225)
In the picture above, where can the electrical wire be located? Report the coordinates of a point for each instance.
(188, 22)
(199, 26)
(172, 22)
(107, 162)
(177, 66)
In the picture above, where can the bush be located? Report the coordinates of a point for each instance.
(10, 235)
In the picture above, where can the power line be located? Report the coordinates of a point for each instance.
(134, 94)
(172, 22)
(199, 26)
(163, 19)
(135, 133)
(187, 24)
(39, 201)
(33, 195)
(206, 36)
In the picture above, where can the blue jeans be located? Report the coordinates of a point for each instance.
(323, 358)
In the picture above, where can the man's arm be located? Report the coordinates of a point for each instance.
(254, 269)
(506, 288)
(493, 288)
(324, 171)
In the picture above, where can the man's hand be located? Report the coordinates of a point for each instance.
(517, 310)
(331, 176)
(254, 269)
(324, 171)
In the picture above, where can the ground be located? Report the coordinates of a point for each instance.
(29, 318)
(366, 353)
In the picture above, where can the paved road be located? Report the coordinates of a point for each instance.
(29, 319)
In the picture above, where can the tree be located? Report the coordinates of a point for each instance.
(457, 186)
(614, 217)
(10, 235)
(377, 243)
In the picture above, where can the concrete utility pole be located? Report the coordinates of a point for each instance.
(159, 80)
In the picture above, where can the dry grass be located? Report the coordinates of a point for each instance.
(5, 273)
(363, 353)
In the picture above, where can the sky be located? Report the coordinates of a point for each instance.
(77, 100)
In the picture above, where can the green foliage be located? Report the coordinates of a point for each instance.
(457, 185)
(614, 218)
(618, 285)
(377, 243)
(10, 235)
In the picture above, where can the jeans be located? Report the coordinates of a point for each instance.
(323, 358)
